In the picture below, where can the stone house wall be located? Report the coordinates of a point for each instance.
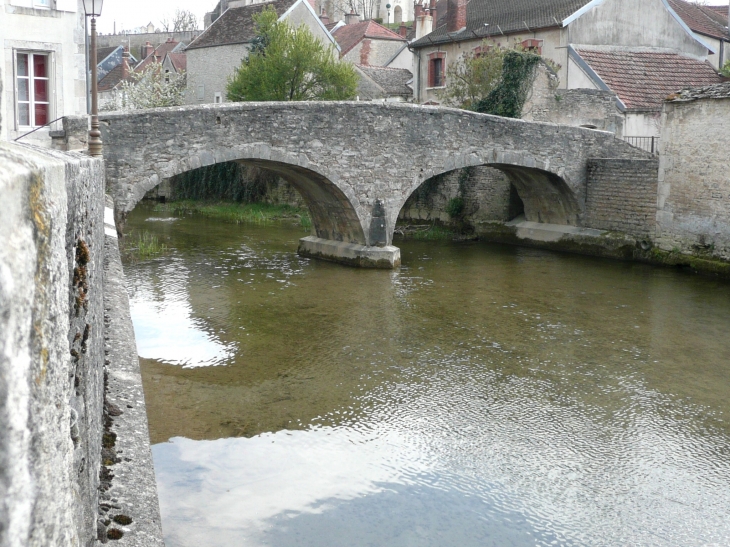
(210, 67)
(694, 179)
(621, 196)
(51, 346)
(592, 108)
(373, 52)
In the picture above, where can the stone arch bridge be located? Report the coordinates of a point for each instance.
(355, 163)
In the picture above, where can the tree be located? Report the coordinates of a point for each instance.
(473, 77)
(290, 64)
(182, 20)
(149, 88)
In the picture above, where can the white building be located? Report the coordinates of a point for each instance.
(42, 71)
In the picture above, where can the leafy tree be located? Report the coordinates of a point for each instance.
(149, 88)
(290, 64)
(473, 77)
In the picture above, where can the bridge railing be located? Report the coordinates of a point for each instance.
(650, 144)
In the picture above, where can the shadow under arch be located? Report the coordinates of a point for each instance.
(333, 211)
(547, 197)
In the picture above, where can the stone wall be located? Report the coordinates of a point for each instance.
(694, 178)
(621, 196)
(211, 67)
(373, 52)
(591, 108)
(485, 191)
(51, 356)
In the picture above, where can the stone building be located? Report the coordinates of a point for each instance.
(367, 42)
(710, 23)
(694, 182)
(214, 56)
(562, 31)
(384, 83)
(42, 70)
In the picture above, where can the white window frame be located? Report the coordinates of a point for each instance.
(218, 98)
(31, 102)
(201, 92)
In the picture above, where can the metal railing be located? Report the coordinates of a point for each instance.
(650, 144)
(37, 128)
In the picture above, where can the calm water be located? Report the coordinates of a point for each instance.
(481, 395)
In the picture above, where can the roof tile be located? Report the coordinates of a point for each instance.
(348, 36)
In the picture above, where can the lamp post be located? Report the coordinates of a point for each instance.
(92, 8)
(387, 21)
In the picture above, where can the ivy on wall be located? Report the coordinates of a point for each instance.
(222, 182)
(508, 97)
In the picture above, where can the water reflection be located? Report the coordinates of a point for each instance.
(479, 395)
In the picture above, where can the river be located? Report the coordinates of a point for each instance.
(479, 395)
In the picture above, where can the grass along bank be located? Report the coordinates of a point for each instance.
(238, 213)
(142, 245)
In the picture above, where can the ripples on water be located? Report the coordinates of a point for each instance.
(480, 395)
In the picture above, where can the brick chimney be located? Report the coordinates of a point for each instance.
(365, 53)
(147, 49)
(403, 30)
(432, 11)
(417, 10)
(455, 15)
(352, 18)
(125, 63)
(324, 18)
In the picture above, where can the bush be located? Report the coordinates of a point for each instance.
(455, 207)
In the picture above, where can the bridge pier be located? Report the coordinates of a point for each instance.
(352, 254)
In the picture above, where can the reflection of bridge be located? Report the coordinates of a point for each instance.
(355, 164)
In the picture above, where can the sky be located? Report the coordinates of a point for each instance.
(129, 14)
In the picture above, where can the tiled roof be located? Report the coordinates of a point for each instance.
(104, 52)
(643, 79)
(715, 91)
(236, 25)
(722, 10)
(158, 55)
(111, 80)
(349, 36)
(701, 19)
(503, 17)
(179, 61)
(392, 80)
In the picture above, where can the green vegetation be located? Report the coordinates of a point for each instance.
(142, 246)
(455, 207)
(222, 182)
(508, 97)
(290, 64)
(238, 213)
(473, 77)
(725, 70)
(151, 87)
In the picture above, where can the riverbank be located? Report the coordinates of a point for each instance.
(238, 213)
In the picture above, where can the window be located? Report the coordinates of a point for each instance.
(42, 4)
(218, 97)
(201, 92)
(436, 69)
(33, 89)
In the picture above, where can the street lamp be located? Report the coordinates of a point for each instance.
(387, 6)
(92, 8)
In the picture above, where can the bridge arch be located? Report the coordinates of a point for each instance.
(547, 196)
(334, 212)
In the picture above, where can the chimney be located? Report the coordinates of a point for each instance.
(417, 10)
(125, 63)
(323, 17)
(432, 11)
(455, 15)
(352, 18)
(403, 30)
(147, 50)
(424, 25)
(311, 3)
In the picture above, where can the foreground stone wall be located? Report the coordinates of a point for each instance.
(51, 357)
(621, 196)
(694, 179)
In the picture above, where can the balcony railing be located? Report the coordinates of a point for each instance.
(650, 144)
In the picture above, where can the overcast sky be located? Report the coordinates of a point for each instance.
(130, 14)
